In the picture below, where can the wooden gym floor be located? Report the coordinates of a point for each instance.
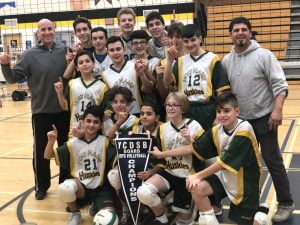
(17, 203)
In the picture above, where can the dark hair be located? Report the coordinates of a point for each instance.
(226, 97)
(114, 39)
(155, 109)
(95, 110)
(83, 52)
(175, 29)
(253, 35)
(124, 91)
(139, 34)
(81, 20)
(239, 20)
(96, 29)
(190, 30)
(154, 15)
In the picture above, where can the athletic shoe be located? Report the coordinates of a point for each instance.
(40, 195)
(205, 219)
(261, 216)
(75, 219)
(283, 213)
(92, 210)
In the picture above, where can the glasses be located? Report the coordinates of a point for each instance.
(136, 43)
(172, 106)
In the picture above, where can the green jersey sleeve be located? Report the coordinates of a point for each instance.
(204, 146)
(237, 154)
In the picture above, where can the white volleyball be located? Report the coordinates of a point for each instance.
(106, 217)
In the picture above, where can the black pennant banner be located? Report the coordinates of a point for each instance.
(133, 158)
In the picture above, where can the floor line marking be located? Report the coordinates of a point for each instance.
(286, 162)
(16, 150)
(268, 182)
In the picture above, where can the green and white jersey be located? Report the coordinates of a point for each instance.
(200, 79)
(153, 62)
(89, 161)
(125, 77)
(101, 66)
(169, 138)
(237, 152)
(81, 95)
(132, 120)
(156, 51)
(129, 54)
(139, 128)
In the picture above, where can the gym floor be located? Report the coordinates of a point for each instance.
(17, 203)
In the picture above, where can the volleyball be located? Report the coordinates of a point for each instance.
(106, 217)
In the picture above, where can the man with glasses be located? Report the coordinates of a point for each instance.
(139, 42)
(126, 73)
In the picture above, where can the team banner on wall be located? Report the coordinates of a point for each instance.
(133, 158)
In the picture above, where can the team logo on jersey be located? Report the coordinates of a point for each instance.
(193, 79)
(124, 82)
(193, 92)
(88, 160)
(87, 97)
(194, 76)
(176, 165)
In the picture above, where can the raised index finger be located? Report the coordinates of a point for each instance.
(54, 128)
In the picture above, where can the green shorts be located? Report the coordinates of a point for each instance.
(240, 214)
(204, 113)
(101, 196)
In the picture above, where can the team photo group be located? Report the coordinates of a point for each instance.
(149, 128)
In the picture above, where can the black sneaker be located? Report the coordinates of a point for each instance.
(40, 195)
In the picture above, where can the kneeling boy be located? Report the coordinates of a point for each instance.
(235, 174)
(88, 160)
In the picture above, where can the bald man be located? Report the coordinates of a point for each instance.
(41, 65)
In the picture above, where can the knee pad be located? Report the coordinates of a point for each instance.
(147, 194)
(113, 177)
(106, 216)
(67, 190)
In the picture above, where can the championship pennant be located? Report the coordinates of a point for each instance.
(133, 158)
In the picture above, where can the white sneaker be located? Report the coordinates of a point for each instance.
(261, 215)
(75, 219)
(207, 219)
(261, 218)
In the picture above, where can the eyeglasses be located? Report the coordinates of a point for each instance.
(136, 43)
(172, 106)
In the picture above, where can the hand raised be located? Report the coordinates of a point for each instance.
(59, 87)
(52, 135)
(5, 59)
